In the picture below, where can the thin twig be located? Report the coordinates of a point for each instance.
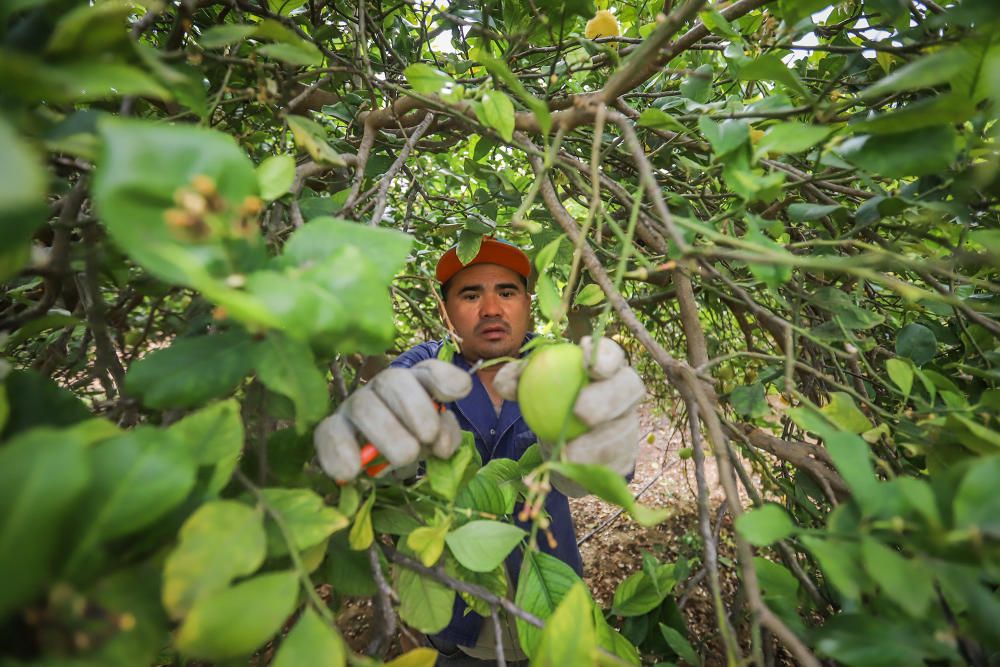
(383, 191)
(383, 604)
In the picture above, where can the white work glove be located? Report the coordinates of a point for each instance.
(608, 405)
(396, 412)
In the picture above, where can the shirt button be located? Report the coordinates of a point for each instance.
(493, 431)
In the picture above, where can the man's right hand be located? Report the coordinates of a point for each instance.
(398, 413)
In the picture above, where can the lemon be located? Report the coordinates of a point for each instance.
(604, 24)
(548, 388)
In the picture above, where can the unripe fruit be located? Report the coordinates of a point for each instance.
(548, 388)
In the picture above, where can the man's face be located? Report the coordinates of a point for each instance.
(490, 309)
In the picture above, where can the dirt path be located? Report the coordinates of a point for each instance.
(613, 544)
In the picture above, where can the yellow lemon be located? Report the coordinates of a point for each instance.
(604, 24)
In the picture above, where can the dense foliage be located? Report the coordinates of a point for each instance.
(212, 211)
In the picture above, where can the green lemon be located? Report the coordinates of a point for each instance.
(548, 388)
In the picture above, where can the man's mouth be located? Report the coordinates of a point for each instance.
(493, 332)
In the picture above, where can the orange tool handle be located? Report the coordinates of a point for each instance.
(369, 453)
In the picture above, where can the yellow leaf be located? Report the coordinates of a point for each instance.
(418, 657)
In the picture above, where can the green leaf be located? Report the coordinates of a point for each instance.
(426, 80)
(469, 244)
(43, 473)
(209, 633)
(192, 370)
(549, 298)
(221, 541)
(810, 212)
(275, 176)
(791, 137)
(446, 475)
(568, 637)
(303, 54)
(724, 137)
(311, 642)
(611, 640)
(917, 343)
(362, 534)
(493, 489)
(500, 70)
(772, 273)
(605, 483)
(94, 81)
(23, 184)
(977, 504)
(323, 236)
(840, 563)
(680, 645)
(641, 592)
(311, 136)
(844, 414)
(137, 478)
(424, 604)
(765, 525)
(130, 592)
(494, 581)
(305, 516)
(544, 581)
(287, 367)
(749, 401)
(482, 545)
(937, 110)
(497, 111)
(850, 455)
(916, 153)
(32, 329)
(348, 571)
(794, 11)
(776, 581)
(770, 67)
(658, 119)
(394, 520)
(213, 436)
(219, 36)
(35, 400)
(907, 582)
(90, 29)
(718, 24)
(548, 253)
(698, 84)
(4, 407)
(590, 295)
(929, 70)
(428, 542)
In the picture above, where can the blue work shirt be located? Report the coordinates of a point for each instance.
(497, 436)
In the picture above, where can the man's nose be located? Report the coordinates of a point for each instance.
(489, 306)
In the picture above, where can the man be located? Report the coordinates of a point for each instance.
(489, 306)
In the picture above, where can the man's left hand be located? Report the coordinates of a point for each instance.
(608, 405)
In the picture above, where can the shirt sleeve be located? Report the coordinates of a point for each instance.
(415, 355)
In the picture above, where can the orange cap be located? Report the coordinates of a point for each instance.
(492, 251)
